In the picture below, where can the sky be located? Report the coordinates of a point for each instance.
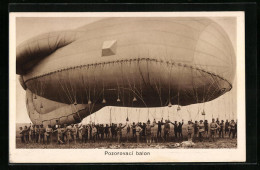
(223, 107)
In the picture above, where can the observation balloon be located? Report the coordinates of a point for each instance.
(130, 62)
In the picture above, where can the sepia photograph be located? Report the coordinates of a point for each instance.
(127, 87)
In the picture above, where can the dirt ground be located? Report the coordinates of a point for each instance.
(218, 143)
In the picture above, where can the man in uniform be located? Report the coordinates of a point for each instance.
(201, 130)
(65, 136)
(68, 133)
(119, 130)
(77, 133)
(63, 132)
(37, 132)
(221, 129)
(218, 122)
(59, 134)
(113, 130)
(175, 124)
(22, 134)
(84, 133)
(213, 127)
(128, 129)
(143, 130)
(159, 130)
(98, 131)
(94, 133)
(90, 131)
(26, 134)
(134, 130)
(138, 132)
(32, 133)
(179, 129)
(226, 127)
(190, 130)
(233, 128)
(41, 133)
(74, 132)
(149, 132)
(206, 127)
(236, 129)
(49, 131)
(102, 131)
(196, 129)
(166, 130)
(107, 134)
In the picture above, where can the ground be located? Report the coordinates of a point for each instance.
(218, 143)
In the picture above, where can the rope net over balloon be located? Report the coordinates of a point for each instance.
(135, 83)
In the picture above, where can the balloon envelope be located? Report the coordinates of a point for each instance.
(131, 62)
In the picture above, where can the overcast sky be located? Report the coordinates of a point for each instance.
(223, 106)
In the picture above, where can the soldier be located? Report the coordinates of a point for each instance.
(236, 129)
(148, 132)
(221, 129)
(41, 134)
(128, 132)
(26, 134)
(102, 131)
(159, 130)
(201, 130)
(32, 133)
(84, 133)
(74, 132)
(213, 127)
(196, 129)
(226, 127)
(77, 133)
(59, 131)
(134, 130)
(217, 121)
(65, 135)
(22, 134)
(233, 128)
(49, 131)
(68, 133)
(37, 132)
(179, 129)
(143, 130)
(94, 133)
(206, 127)
(98, 131)
(138, 132)
(113, 130)
(175, 124)
(190, 130)
(107, 134)
(119, 130)
(90, 131)
(166, 132)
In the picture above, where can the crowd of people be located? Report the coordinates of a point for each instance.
(135, 132)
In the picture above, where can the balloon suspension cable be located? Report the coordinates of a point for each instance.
(127, 115)
(168, 114)
(148, 114)
(118, 99)
(178, 108)
(104, 100)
